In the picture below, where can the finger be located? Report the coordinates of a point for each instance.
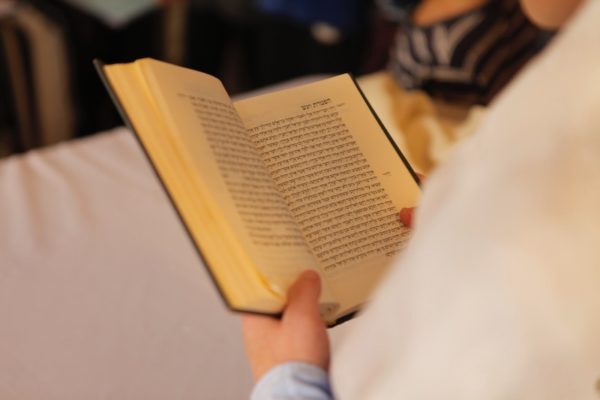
(303, 295)
(257, 333)
(255, 330)
(406, 216)
(255, 327)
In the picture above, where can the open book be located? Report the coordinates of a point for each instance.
(303, 178)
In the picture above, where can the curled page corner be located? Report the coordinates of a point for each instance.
(273, 288)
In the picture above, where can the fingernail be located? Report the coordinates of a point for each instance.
(406, 216)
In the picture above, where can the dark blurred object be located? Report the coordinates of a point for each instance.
(51, 91)
(303, 37)
(37, 103)
(218, 38)
(89, 38)
(250, 44)
(397, 10)
(46, 51)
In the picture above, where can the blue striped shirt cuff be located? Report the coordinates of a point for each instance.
(293, 381)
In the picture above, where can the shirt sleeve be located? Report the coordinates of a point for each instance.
(293, 381)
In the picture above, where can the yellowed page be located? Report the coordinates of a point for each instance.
(342, 179)
(233, 181)
(242, 288)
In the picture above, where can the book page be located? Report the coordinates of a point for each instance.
(232, 179)
(338, 172)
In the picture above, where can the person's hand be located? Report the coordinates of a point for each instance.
(299, 335)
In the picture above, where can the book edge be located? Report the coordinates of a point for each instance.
(386, 132)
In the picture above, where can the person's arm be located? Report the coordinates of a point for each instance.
(290, 356)
(429, 12)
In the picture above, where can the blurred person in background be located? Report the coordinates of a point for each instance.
(448, 60)
(457, 51)
(460, 51)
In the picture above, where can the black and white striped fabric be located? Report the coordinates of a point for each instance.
(468, 58)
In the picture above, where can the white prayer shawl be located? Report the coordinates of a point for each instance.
(498, 294)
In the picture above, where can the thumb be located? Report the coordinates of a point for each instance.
(303, 295)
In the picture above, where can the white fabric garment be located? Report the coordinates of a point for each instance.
(498, 293)
(102, 295)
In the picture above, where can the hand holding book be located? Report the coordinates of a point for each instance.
(299, 336)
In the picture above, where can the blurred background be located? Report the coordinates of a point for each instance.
(460, 52)
(50, 91)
